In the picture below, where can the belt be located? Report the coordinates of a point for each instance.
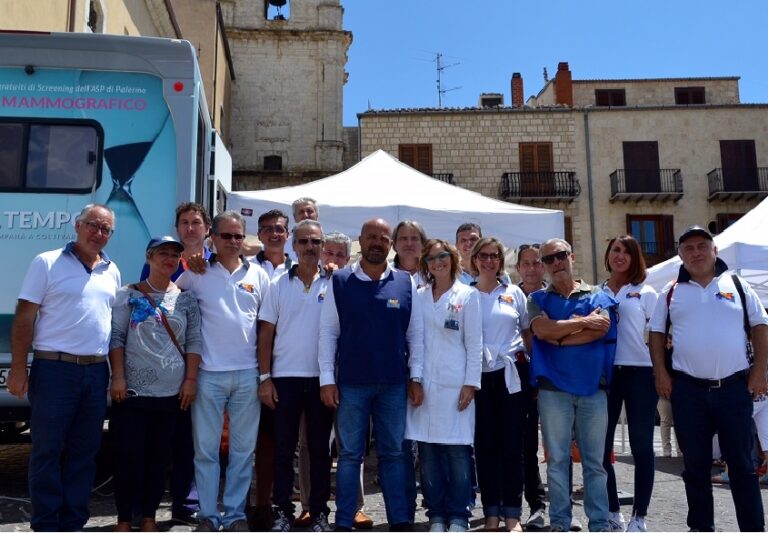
(70, 358)
(711, 383)
(520, 357)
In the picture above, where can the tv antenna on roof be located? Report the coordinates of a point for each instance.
(440, 68)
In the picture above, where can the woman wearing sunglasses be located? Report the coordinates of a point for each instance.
(500, 402)
(632, 384)
(443, 424)
(154, 355)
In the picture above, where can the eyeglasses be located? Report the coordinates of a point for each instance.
(94, 227)
(482, 256)
(315, 242)
(560, 256)
(277, 228)
(229, 236)
(441, 256)
(534, 246)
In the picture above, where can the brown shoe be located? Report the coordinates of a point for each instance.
(148, 524)
(123, 526)
(363, 521)
(303, 520)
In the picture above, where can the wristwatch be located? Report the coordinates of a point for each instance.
(416, 380)
(264, 377)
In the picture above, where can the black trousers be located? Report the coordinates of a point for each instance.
(296, 396)
(533, 487)
(144, 428)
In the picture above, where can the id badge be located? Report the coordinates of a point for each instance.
(451, 323)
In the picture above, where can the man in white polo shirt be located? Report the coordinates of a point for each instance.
(289, 324)
(708, 378)
(65, 313)
(229, 294)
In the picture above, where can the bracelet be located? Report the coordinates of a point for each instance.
(188, 378)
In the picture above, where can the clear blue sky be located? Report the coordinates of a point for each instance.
(392, 57)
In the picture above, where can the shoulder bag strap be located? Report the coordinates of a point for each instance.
(740, 290)
(163, 318)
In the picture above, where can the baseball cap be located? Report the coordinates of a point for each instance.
(692, 232)
(165, 239)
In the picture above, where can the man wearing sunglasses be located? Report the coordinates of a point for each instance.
(289, 323)
(229, 294)
(574, 328)
(64, 312)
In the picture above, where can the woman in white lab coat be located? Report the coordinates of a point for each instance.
(444, 424)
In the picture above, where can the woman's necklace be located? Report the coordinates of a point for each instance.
(155, 289)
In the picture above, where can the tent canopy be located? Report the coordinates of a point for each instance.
(380, 186)
(744, 248)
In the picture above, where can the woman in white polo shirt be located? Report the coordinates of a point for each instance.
(444, 423)
(632, 384)
(500, 402)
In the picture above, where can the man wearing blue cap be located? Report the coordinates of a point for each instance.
(709, 315)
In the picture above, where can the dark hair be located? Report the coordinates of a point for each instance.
(407, 224)
(523, 247)
(455, 260)
(476, 250)
(469, 226)
(197, 208)
(637, 270)
(272, 213)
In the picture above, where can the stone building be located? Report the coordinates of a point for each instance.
(647, 157)
(287, 102)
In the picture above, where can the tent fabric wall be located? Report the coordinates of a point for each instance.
(744, 248)
(380, 186)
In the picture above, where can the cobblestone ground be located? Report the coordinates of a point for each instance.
(667, 513)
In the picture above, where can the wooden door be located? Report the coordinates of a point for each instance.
(641, 166)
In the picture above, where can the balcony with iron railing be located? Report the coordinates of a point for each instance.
(532, 186)
(731, 183)
(447, 177)
(665, 184)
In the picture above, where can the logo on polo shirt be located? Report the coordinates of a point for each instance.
(506, 299)
(633, 295)
(393, 303)
(725, 296)
(247, 287)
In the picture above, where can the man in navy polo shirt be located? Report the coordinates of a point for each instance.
(370, 345)
(709, 379)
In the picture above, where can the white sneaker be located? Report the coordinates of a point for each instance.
(616, 522)
(575, 524)
(637, 524)
(437, 526)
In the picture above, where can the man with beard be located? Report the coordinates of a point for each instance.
(289, 322)
(370, 346)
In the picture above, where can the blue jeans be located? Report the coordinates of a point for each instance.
(386, 403)
(634, 387)
(563, 415)
(235, 391)
(446, 482)
(699, 413)
(69, 403)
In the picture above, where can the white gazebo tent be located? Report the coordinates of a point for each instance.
(744, 248)
(381, 186)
